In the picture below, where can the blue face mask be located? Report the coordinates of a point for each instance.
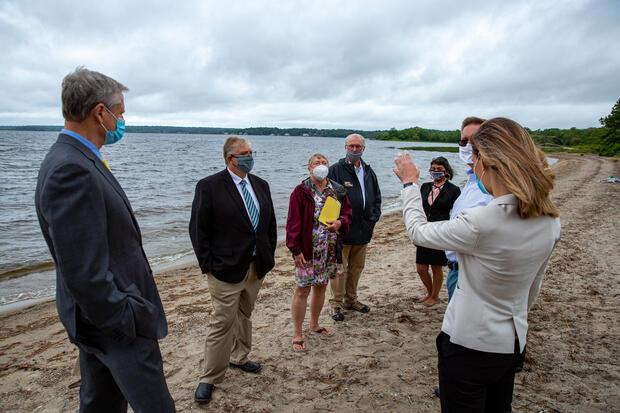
(482, 188)
(245, 163)
(117, 135)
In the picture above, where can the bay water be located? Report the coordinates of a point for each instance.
(159, 173)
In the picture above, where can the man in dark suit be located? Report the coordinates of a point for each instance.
(233, 232)
(105, 292)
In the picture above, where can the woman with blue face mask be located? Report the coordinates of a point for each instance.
(438, 196)
(503, 249)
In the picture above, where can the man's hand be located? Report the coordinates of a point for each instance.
(406, 170)
(334, 225)
(300, 261)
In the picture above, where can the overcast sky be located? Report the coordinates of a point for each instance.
(324, 64)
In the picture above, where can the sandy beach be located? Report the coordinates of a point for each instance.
(383, 361)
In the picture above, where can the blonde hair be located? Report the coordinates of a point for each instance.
(507, 148)
(317, 155)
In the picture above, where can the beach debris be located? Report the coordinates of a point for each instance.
(610, 180)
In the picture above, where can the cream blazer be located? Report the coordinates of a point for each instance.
(502, 259)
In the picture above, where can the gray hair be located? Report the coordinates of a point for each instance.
(317, 155)
(231, 145)
(83, 89)
(355, 135)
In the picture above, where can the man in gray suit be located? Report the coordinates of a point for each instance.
(105, 292)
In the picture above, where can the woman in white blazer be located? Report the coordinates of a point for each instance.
(503, 249)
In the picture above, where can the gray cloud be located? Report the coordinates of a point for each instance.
(359, 64)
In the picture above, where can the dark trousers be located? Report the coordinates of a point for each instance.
(114, 374)
(474, 381)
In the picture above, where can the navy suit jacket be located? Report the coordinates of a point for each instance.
(104, 284)
(221, 231)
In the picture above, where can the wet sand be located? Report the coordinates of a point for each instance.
(383, 361)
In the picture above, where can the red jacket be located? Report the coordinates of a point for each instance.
(300, 219)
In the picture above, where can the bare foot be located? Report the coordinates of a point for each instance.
(298, 344)
(322, 331)
(431, 301)
(422, 299)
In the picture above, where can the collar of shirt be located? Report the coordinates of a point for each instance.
(357, 169)
(236, 178)
(84, 141)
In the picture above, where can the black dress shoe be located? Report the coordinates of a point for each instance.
(249, 366)
(203, 393)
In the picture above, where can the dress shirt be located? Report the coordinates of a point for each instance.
(470, 197)
(502, 259)
(359, 172)
(237, 180)
(84, 141)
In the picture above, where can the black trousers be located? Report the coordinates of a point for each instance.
(113, 374)
(474, 381)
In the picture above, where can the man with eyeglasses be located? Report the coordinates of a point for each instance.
(364, 194)
(106, 296)
(470, 197)
(233, 232)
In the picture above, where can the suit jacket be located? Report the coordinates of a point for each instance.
(104, 284)
(440, 210)
(502, 259)
(221, 231)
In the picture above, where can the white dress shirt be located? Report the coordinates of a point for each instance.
(359, 172)
(237, 180)
(502, 259)
(471, 197)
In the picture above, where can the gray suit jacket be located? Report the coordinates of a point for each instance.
(502, 259)
(104, 284)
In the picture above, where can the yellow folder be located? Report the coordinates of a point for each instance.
(330, 211)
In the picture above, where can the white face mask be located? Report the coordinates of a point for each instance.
(320, 172)
(465, 153)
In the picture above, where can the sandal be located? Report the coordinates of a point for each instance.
(301, 344)
(323, 331)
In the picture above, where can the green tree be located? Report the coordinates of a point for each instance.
(610, 143)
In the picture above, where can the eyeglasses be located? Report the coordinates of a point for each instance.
(253, 153)
(463, 142)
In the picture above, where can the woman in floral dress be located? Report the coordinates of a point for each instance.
(316, 247)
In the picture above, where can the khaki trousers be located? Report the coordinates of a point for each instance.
(229, 338)
(344, 288)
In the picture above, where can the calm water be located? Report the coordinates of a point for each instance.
(159, 173)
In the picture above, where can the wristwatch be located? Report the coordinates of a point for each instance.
(407, 184)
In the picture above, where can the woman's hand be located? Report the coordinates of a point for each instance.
(300, 261)
(334, 225)
(406, 170)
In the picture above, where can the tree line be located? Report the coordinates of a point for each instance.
(603, 141)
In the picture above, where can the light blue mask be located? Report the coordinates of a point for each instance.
(480, 185)
(117, 135)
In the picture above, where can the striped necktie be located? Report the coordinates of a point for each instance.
(249, 203)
